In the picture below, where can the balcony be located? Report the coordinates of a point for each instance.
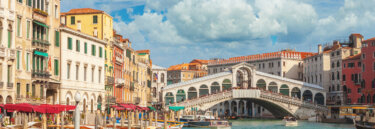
(10, 86)
(12, 54)
(42, 44)
(120, 81)
(40, 74)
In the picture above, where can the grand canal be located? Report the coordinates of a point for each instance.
(279, 124)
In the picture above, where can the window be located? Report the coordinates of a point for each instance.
(56, 12)
(373, 83)
(28, 3)
(9, 37)
(85, 73)
(92, 74)
(373, 66)
(57, 38)
(93, 50)
(278, 64)
(18, 90)
(338, 64)
(363, 56)
(283, 74)
(332, 65)
(28, 29)
(27, 61)
(68, 71)
(41, 91)
(338, 53)
(72, 20)
(359, 90)
(85, 48)
(18, 60)
(350, 65)
(338, 75)
(100, 52)
(100, 75)
(283, 63)
(333, 76)
(77, 72)
(359, 64)
(33, 90)
(95, 19)
(343, 77)
(19, 26)
(27, 90)
(77, 45)
(363, 67)
(56, 62)
(70, 44)
(349, 90)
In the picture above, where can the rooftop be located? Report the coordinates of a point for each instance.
(143, 51)
(82, 11)
(158, 67)
(354, 57)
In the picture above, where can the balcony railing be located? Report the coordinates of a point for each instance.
(41, 43)
(40, 74)
(10, 85)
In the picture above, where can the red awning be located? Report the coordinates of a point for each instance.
(44, 108)
(128, 106)
(118, 108)
(21, 107)
(142, 108)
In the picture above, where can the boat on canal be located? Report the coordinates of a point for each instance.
(290, 121)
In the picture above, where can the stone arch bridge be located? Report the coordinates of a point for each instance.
(237, 87)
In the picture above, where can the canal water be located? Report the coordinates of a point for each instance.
(279, 124)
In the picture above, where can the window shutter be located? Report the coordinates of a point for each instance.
(100, 52)
(70, 43)
(56, 67)
(85, 48)
(57, 38)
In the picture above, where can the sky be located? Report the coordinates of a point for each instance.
(178, 31)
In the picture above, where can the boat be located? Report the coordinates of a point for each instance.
(290, 121)
(212, 124)
(362, 125)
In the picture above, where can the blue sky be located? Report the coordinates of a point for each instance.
(178, 31)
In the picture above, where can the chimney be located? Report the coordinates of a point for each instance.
(320, 48)
(79, 25)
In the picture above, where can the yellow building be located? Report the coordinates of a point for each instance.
(99, 24)
(142, 91)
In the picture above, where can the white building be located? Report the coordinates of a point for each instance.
(159, 81)
(7, 51)
(82, 69)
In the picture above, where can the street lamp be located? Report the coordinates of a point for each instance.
(77, 97)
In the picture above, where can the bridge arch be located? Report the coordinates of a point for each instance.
(307, 95)
(296, 92)
(192, 93)
(169, 98)
(203, 90)
(180, 95)
(284, 89)
(261, 84)
(272, 87)
(242, 76)
(227, 84)
(319, 98)
(215, 87)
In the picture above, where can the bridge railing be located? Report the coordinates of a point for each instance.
(206, 98)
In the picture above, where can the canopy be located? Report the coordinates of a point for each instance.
(41, 24)
(41, 53)
(151, 108)
(44, 108)
(176, 108)
(129, 106)
(118, 108)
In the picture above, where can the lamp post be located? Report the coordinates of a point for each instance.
(77, 97)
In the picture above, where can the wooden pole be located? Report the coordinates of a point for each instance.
(136, 117)
(129, 121)
(150, 118)
(62, 120)
(165, 120)
(24, 122)
(178, 116)
(122, 118)
(141, 124)
(156, 119)
(44, 118)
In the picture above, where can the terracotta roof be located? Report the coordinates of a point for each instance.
(371, 39)
(82, 11)
(179, 67)
(143, 51)
(354, 57)
(201, 61)
(357, 34)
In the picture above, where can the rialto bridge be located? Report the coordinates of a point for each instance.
(243, 91)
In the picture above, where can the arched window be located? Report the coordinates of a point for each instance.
(307, 95)
(162, 78)
(226, 84)
(284, 89)
(338, 88)
(180, 96)
(192, 93)
(273, 87)
(261, 84)
(215, 87)
(155, 77)
(203, 90)
(338, 64)
(368, 98)
(296, 92)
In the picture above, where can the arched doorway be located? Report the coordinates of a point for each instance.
(319, 98)
(272, 87)
(307, 96)
(192, 93)
(169, 98)
(284, 89)
(296, 92)
(99, 101)
(180, 96)
(9, 100)
(215, 87)
(203, 90)
(227, 84)
(240, 78)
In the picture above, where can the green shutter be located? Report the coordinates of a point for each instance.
(57, 38)
(93, 50)
(34, 63)
(70, 43)
(41, 91)
(85, 48)
(100, 52)
(18, 59)
(18, 89)
(9, 39)
(29, 2)
(95, 19)
(56, 67)
(18, 26)
(72, 20)
(77, 46)
(27, 61)
(28, 29)
(33, 90)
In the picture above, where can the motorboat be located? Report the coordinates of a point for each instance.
(290, 121)
(212, 124)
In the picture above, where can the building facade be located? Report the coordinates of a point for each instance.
(82, 69)
(142, 90)
(368, 70)
(159, 81)
(351, 71)
(7, 51)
